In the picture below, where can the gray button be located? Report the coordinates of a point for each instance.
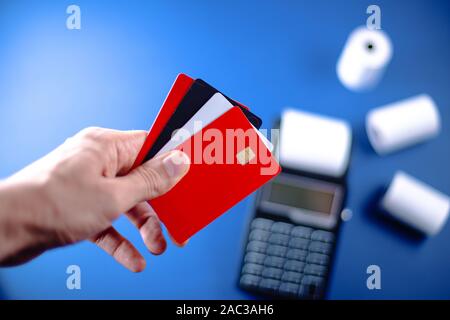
(281, 227)
(259, 235)
(309, 292)
(263, 224)
(314, 284)
(296, 254)
(293, 265)
(317, 258)
(272, 273)
(248, 280)
(320, 235)
(315, 270)
(303, 292)
(301, 232)
(251, 268)
(320, 247)
(275, 250)
(290, 276)
(269, 284)
(275, 262)
(253, 257)
(299, 243)
(257, 246)
(317, 281)
(288, 288)
(279, 239)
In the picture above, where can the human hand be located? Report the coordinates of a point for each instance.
(78, 190)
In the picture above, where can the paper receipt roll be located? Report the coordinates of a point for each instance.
(314, 143)
(402, 124)
(416, 204)
(364, 59)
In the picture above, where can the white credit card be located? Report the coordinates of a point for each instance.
(211, 110)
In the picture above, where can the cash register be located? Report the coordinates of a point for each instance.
(292, 235)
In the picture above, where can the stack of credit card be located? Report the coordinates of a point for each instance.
(229, 157)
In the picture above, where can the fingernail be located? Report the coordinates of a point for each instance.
(159, 246)
(138, 265)
(176, 164)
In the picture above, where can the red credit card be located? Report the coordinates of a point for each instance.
(176, 94)
(212, 186)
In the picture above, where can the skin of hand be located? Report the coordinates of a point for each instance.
(78, 190)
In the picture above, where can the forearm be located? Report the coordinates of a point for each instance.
(20, 231)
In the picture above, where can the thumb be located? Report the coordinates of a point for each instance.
(152, 179)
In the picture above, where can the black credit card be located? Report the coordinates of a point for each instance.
(197, 96)
(255, 120)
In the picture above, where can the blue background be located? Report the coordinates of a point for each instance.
(116, 71)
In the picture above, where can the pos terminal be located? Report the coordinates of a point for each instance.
(294, 226)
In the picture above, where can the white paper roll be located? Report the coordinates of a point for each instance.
(402, 124)
(364, 58)
(416, 204)
(314, 143)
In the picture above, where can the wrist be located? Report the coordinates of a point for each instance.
(22, 224)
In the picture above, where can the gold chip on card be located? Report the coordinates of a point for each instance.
(245, 155)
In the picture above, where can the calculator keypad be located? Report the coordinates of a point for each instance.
(286, 260)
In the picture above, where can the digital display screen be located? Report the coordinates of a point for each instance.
(302, 198)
